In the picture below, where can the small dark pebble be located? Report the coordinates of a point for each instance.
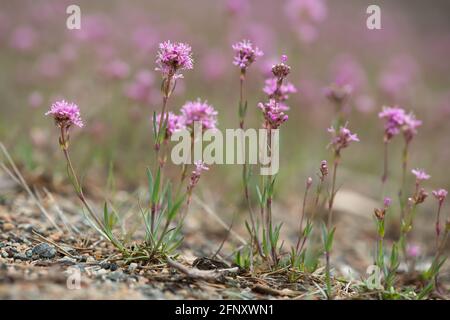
(114, 267)
(21, 256)
(44, 250)
(29, 253)
(105, 265)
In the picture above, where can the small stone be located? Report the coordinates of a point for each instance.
(44, 250)
(5, 254)
(8, 227)
(105, 265)
(67, 261)
(29, 253)
(21, 256)
(113, 267)
(132, 267)
(90, 259)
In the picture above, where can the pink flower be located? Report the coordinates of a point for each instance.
(410, 126)
(387, 202)
(198, 111)
(65, 114)
(395, 118)
(174, 123)
(440, 194)
(273, 114)
(281, 94)
(420, 174)
(413, 250)
(23, 39)
(174, 57)
(245, 54)
(342, 138)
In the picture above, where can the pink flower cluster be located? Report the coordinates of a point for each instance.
(199, 111)
(341, 138)
(65, 114)
(273, 114)
(280, 93)
(420, 174)
(397, 121)
(440, 194)
(174, 123)
(174, 57)
(200, 166)
(245, 54)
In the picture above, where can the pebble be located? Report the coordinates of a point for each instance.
(21, 256)
(105, 265)
(132, 267)
(44, 250)
(113, 267)
(8, 226)
(67, 261)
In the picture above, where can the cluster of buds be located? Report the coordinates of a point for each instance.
(338, 94)
(323, 169)
(281, 70)
(380, 213)
(341, 138)
(200, 166)
(419, 197)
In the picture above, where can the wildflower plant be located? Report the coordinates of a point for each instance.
(164, 211)
(341, 138)
(245, 55)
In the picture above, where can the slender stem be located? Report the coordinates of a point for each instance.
(333, 191)
(385, 168)
(438, 224)
(300, 230)
(78, 189)
(402, 188)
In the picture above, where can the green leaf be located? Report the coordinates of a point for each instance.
(155, 194)
(260, 196)
(150, 181)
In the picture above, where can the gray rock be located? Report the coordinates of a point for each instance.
(67, 261)
(44, 250)
(21, 256)
(132, 267)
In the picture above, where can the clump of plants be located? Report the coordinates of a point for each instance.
(167, 204)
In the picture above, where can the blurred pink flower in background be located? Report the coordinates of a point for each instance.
(141, 88)
(35, 99)
(145, 38)
(237, 7)
(39, 137)
(116, 69)
(413, 250)
(305, 15)
(68, 52)
(346, 70)
(50, 66)
(93, 28)
(214, 64)
(23, 38)
(398, 75)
